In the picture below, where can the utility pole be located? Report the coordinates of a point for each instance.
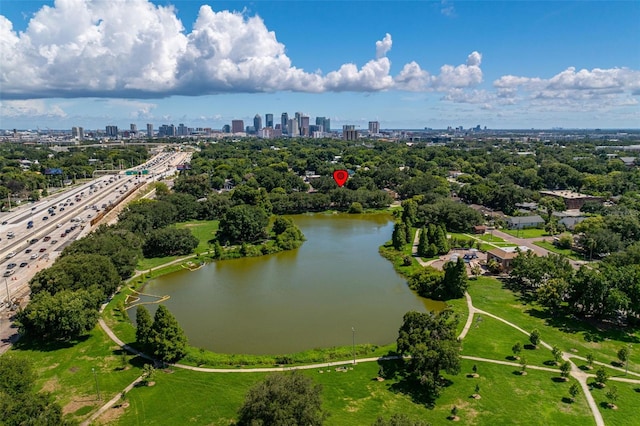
(353, 336)
(97, 386)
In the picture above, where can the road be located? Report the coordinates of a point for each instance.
(57, 221)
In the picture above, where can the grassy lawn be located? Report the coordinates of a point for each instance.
(627, 412)
(490, 238)
(564, 252)
(526, 233)
(569, 334)
(65, 369)
(493, 339)
(354, 398)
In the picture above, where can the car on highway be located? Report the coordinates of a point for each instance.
(10, 255)
(23, 264)
(9, 272)
(11, 265)
(4, 222)
(47, 238)
(42, 249)
(54, 241)
(45, 218)
(27, 251)
(34, 256)
(33, 241)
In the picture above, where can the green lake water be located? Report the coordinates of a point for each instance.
(296, 300)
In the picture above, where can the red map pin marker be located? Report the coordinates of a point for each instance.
(340, 176)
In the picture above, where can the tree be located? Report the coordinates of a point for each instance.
(476, 270)
(601, 376)
(623, 356)
(557, 354)
(565, 369)
(17, 374)
(283, 399)
(143, 326)
(399, 237)
(409, 212)
(516, 349)
(243, 224)
(423, 243)
(455, 282)
(427, 282)
(534, 338)
(169, 241)
(20, 404)
(355, 208)
(168, 341)
(148, 374)
(574, 390)
(612, 396)
(523, 365)
(65, 315)
(431, 341)
(590, 359)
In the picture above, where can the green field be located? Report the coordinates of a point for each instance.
(526, 233)
(563, 252)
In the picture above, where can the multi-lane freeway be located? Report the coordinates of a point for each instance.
(33, 235)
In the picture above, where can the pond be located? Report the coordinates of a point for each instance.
(297, 300)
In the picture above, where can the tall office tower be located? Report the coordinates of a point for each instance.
(166, 131)
(77, 133)
(325, 123)
(374, 127)
(226, 129)
(304, 125)
(298, 121)
(292, 128)
(349, 132)
(237, 126)
(133, 128)
(319, 124)
(268, 120)
(149, 130)
(183, 130)
(111, 131)
(284, 122)
(257, 123)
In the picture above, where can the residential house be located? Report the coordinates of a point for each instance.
(522, 222)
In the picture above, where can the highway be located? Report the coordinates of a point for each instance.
(32, 236)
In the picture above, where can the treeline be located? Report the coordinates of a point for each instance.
(609, 290)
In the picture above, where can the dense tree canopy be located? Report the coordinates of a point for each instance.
(431, 341)
(283, 399)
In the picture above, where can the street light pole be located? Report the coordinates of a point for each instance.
(7, 287)
(353, 336)
(97, 386)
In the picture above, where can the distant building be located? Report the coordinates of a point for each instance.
(304, 125)
(268, 120)
(226, 129)
(182, 130)
(167, 131)
(133, 128)
(349, 132)
(292, 128)
(257, 123)
(325, 123)
(573, 200)
(504, 256)
(284, 122)
(149, 130)
(374, 127)
(522, 222)
(77, 133)
(111, 131)
(237, 126)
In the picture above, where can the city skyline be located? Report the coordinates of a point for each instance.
(405, 64)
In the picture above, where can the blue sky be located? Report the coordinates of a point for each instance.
(407, 64)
